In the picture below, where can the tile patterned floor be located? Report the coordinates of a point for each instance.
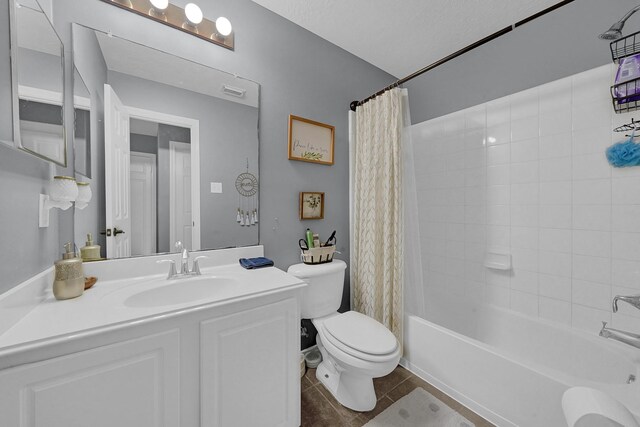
(320, 409)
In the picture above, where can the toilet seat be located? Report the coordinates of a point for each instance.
(359, 336)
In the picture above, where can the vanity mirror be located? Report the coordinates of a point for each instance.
(168, 138)
(81, 126)
(37, 75)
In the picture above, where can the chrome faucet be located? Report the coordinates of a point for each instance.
(634, 300)
(618, 335)
(184, 264)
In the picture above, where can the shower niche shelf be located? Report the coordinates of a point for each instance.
(626, 95)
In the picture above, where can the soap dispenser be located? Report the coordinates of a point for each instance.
(91, 251)
(69, 278)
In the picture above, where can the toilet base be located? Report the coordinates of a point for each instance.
(353, 391)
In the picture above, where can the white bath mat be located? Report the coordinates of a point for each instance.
(419, 409)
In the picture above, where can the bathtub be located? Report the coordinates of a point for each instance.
(513, 369)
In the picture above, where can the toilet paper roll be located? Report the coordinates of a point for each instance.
(588, 407)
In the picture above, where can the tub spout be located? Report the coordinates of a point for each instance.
(634, 300)
(618, 335)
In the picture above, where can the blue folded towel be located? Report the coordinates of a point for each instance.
(251, 263)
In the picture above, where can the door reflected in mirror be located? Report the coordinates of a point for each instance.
(172, 146)
(160, 154)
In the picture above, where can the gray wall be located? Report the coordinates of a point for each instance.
(82, 141)
(40, 112)
(557, 45)
(144, 143)
(26, 249)
(40, 70)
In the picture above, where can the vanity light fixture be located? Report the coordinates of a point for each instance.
(63, 191)
(223, 26)
(159, 4)
(190, 19)
(84, 195)
(193, 13)
(124, 3)
(158, 8)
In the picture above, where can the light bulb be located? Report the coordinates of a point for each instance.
(193, 13)
(223, 26)
(160, 4)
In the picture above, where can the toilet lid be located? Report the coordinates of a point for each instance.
(361, 333)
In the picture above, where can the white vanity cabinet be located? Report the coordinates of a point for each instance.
(233, 364)
(256, 384)
(132, 383)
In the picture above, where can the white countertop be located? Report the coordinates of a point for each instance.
(102, 307)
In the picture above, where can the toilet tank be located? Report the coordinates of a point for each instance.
(323, 294)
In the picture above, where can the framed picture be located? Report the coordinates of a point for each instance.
(310, 141)
(311, 205)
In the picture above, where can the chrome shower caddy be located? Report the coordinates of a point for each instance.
(625, 96)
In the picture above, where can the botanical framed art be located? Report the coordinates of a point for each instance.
(310, 141)
(311, 205)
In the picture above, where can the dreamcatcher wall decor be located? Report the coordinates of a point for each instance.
(247, 187)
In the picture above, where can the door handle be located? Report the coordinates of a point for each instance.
(116, 231)
(106, 232)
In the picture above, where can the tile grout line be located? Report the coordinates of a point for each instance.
(398, 385)
(333, 406)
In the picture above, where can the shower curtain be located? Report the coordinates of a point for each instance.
(378, 149)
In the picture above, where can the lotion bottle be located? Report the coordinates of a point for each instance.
(91, 251)
(69, 278)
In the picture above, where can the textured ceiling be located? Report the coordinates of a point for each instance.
(403, 36)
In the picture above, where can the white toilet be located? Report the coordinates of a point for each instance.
(355, 348)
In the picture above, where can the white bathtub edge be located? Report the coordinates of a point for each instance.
(481, 410)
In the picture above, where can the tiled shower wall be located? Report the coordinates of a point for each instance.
(527, 174)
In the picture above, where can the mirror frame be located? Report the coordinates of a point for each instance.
(13, 41)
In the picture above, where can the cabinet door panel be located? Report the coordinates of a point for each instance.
(249, 368)
(133, 383)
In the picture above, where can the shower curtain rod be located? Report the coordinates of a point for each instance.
(460, 52)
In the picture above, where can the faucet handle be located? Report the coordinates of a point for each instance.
(172, 267)
(604, 332)
(196, 265)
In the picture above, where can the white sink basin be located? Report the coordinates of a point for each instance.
(180, 291)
